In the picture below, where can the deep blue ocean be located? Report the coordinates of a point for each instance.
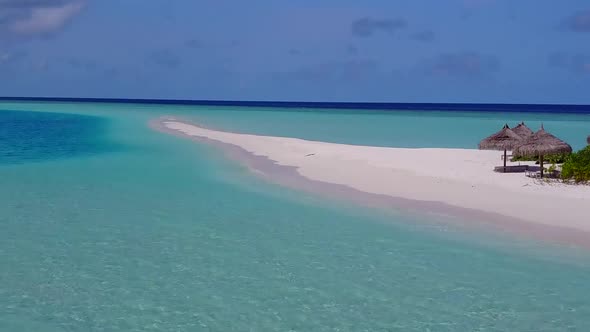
(109, 225)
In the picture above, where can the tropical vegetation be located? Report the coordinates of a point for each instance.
(577, 166)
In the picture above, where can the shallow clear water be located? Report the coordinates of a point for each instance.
(364, 127)
(146, 231)
(393, 128)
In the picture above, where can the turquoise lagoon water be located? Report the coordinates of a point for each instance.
(128, 229)
(387, 128)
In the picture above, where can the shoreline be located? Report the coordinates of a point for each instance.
(287, 166)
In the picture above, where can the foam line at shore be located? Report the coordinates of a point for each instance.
(458, 182)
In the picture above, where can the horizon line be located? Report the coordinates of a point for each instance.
(424, 106)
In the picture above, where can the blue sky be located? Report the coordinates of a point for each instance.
(500, 51)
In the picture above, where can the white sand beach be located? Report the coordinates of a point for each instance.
(456, 177)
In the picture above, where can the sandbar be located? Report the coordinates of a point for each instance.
(448, 181)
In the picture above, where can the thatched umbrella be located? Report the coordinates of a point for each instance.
(541, 144)
(505, 139)
(588, 140)
(522, 130)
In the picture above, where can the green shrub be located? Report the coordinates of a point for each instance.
(577, 166)
(557, 159)
(553, 159)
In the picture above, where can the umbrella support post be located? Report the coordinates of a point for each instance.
(541, 164)
(504, 160)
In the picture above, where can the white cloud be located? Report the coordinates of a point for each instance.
(30, 18)
(44, 20)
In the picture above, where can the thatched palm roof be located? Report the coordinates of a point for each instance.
(505, 139)
(541, 143)
(522, 130)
